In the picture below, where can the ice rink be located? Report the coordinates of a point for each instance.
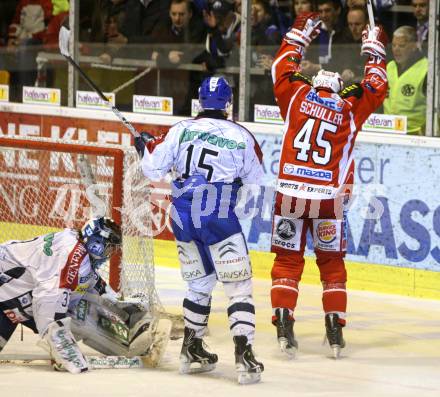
(393, 349)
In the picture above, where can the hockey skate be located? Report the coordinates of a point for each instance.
(285, 334)
(248, 368)
(334, 334)
(193, 356)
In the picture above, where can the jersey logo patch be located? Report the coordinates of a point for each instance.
(335, 104)
(231, 144)
(69, 274)
(15, 316)
(312, 173)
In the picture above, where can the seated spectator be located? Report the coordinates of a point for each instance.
(407, 80)
(320, 54)
(222, 38)
(111, 26)
(7, 11)
(145, 19)
(25, 36)
(265, 37)
(421, 13)
(301, 6)
(221, 42)
(181, 27)
(60, 14)
(177, 36)
(264, 31)
(349, 62)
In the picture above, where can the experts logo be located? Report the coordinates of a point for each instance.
(335, 103)
(306, 172)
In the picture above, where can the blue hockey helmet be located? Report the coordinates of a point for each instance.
(102, 237)
(215, 94)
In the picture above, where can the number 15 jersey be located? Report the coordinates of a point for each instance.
(220, 150)
(321, 127)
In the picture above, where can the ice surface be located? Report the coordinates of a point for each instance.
(393, 349)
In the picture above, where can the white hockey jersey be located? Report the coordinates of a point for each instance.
(218, 149)
(43, 277)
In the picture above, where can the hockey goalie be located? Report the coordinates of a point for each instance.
(51, 285)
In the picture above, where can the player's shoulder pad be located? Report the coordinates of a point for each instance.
(297, 76)
(355, 90)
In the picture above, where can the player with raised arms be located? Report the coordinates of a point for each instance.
(322, 120)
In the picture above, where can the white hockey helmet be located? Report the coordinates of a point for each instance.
(328, 80)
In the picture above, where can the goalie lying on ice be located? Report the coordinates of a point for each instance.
(51, 285)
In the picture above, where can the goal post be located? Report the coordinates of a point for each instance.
(43, 189)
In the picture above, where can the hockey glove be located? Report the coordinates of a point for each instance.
(141, 141)
(304, 29)
(374, 42)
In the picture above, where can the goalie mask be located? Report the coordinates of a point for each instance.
(328, 80)
(215, 94)
(102, 237)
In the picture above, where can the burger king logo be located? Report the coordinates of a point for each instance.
(326, 232)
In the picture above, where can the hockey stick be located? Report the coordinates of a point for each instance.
(150, 360)
(370, 14)
(63, 41)
(95, 362)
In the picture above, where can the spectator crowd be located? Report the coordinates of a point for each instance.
(189, 40)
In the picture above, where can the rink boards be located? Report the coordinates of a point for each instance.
(361, 276)
(398, 252)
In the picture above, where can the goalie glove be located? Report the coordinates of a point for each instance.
(304, 29)
(64, 350)
(374, 42)
(141, 141)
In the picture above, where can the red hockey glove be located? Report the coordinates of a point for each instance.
(304, 29)
(374, 42)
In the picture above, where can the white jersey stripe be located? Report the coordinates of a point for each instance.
(285, 287)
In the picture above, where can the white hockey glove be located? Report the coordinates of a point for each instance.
(63, 347)
(374, 42)
(304, 29)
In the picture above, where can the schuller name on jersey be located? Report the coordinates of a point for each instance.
(326, 109)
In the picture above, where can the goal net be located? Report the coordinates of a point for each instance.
(47, 185)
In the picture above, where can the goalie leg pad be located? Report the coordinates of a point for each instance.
(100, 328)
(105, 331)
(161, 336)
(63, 347)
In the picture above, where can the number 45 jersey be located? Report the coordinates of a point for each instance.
(219, 150)
(321, 127)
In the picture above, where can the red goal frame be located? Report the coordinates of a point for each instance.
(117, 177)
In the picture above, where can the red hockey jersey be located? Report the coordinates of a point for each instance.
(320, 127)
